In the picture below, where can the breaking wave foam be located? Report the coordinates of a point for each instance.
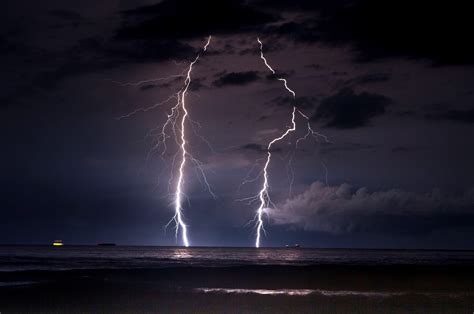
(328, 293)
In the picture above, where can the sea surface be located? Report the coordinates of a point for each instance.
(26, 258)
(131, 279)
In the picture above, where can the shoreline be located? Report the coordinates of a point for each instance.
(249, 289)
(223, 280)
(325, 276)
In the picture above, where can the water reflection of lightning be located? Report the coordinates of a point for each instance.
(176, 122)
(263, 195)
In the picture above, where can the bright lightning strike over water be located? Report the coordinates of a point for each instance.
(178, 216)
(178, 118)
(263, 195)
(176, 122)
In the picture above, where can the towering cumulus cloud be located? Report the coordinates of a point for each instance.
(344, 209)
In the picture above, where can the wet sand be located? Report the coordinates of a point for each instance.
(244, 289)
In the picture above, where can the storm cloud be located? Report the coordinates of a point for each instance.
(379, 30)
(236, 78)
(184, 19)
(376, 78)
(345, 209)
(348, 110)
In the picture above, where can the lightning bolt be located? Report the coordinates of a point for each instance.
(263, 195)
(176, 121)
(178, 215)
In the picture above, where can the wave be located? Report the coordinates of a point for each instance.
(257, 291)
(330, 293)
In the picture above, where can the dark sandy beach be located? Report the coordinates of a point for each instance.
(250, 289)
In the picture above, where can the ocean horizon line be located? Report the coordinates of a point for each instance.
(301, 247)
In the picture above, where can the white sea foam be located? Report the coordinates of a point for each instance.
(329, 293)
(301, 292)
(258, 291)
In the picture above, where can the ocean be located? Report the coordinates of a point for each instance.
(206, 280)
(24, 258)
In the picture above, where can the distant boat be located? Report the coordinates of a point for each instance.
(58, 243)
(106, 244)
(292, 246)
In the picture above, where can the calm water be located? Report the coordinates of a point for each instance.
(18, 258)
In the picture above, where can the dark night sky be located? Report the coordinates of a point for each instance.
(391, 84)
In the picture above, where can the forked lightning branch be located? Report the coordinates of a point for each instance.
(175, 127)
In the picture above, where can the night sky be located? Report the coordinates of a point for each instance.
(390, 84)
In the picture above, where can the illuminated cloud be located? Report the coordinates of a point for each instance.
(345, 209)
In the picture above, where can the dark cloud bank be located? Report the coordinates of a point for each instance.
(383, 29)
(348, 110)
(237, 78)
